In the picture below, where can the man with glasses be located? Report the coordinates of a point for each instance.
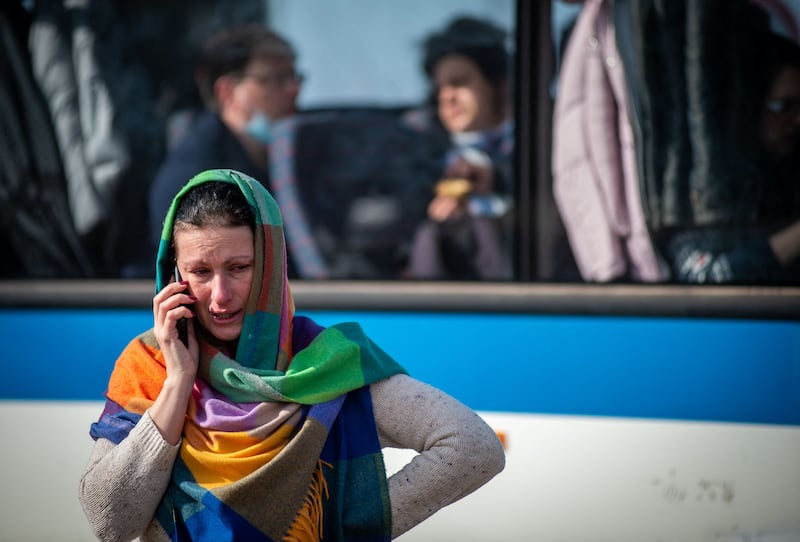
(247, 79)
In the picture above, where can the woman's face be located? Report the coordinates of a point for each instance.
(780, 121)
(466, 99)
(218, 264)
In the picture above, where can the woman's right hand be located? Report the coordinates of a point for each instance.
(442, 208)
(168, 411)
(169, 307)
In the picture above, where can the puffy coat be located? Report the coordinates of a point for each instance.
(595, 179)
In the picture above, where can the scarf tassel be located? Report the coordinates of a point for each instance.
(307, 527)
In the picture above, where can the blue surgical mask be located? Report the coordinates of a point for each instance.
(259, 127)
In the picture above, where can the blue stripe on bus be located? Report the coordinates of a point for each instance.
(692, 369)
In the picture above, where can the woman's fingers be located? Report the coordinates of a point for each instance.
(169, 306)
(443, 207)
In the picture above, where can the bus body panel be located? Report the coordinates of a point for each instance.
(616, 428)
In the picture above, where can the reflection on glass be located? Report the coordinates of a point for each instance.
(363, 169)
(675, 142)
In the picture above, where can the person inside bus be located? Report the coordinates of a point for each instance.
(766, 248)
(248, 80)
(253, 422)
(465, 233)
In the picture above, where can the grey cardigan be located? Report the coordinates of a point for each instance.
(458, 453)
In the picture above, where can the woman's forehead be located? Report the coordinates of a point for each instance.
(214, 242)
(455, 66)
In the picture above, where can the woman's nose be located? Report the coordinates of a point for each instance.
(446, 92)
(220, 289)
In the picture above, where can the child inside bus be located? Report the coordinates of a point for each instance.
(465, 234)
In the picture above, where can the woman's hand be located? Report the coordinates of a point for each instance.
(168, 412)
(443, 208)
(480, 174)
(786, 244)
(169, 307)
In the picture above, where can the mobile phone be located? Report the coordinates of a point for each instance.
(183, 334)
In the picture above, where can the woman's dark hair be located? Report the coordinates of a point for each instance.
(480, 41)
(218, 204)
(774, 53)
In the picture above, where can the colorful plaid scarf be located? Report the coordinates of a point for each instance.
(279, 441)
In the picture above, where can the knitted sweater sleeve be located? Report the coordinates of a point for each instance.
(458, 451)
(122, 485)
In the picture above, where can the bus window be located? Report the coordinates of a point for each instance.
(676, 140)
(363, 166)
(669, 160)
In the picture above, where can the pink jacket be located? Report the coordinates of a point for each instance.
(595, 180)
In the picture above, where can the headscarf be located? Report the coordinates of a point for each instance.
(256, 461)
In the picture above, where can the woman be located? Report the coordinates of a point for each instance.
(464, 236)
(263, 425)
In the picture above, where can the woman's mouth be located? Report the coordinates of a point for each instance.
(224, 325)
(224, 317)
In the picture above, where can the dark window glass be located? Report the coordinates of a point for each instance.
(611, 142)
(676, 138)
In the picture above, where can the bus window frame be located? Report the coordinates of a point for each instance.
(736, 302)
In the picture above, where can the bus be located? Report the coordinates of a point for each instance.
(629, 409)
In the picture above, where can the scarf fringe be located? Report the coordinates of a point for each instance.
(307, 526)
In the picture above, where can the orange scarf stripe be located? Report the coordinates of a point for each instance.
(212, 469)
(136, 380)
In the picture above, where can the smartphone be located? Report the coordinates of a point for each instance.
(183, 334)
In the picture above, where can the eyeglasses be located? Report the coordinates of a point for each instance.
(788, 106)
(277, 79)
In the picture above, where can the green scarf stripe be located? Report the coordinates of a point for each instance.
(340, 359)
(257, 349)
(374, 360)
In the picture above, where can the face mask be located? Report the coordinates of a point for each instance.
(258, 127)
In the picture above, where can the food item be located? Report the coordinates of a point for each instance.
(455, 188)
